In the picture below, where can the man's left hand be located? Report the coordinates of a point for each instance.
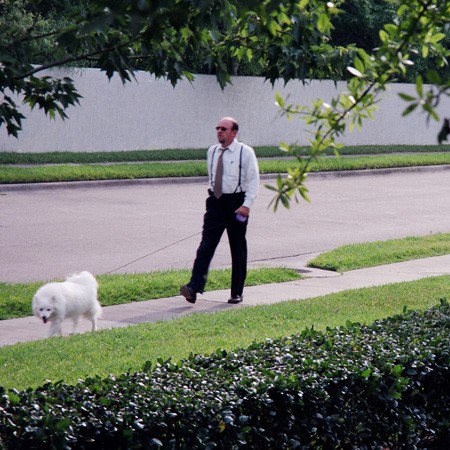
(243, 210)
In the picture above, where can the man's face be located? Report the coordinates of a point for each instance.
(225, 135)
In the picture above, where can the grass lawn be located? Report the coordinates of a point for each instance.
(357, 256)
(126, 350)
(120, 350)
(87, 167)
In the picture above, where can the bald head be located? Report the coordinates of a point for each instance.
(227, 129)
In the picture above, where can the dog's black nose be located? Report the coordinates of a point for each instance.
(45, 319)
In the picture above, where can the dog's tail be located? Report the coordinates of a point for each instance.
(84, 277)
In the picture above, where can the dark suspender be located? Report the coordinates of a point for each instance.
(240, 171)
(240, 167)
(212, 163)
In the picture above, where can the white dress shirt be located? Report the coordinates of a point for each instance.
(231, 159)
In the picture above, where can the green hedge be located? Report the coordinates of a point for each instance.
(386, 385)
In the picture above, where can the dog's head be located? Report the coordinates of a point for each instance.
(44, 308)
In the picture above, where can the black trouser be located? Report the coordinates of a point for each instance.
(220, 216)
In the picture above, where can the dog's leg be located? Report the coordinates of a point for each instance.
(94, 324)
(55, 328)
(75, 324)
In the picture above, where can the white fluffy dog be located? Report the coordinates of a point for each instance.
(70, 299)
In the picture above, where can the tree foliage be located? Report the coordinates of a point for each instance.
(300, 40)
(417, 31)
(167, 39)
(360, 22)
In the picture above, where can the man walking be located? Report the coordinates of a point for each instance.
(233, 186)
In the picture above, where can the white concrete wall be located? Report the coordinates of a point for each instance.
(151, 114)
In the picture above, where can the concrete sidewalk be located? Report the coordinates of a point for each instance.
(316, 283)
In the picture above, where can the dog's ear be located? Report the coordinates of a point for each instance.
(53, 299)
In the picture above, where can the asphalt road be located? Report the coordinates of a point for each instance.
(50, 233)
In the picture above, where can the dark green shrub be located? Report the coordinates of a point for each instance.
(359, 387)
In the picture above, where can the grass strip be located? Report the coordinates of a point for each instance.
(122, 350)
(15, 298)
(371, 254)
(193, 154)
(359, 162)
(87, 172)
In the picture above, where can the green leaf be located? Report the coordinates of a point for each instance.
(383, 36)
(431, 111)
(273, 27)
(303, 3)
(304, 193)
(433, 77)
(409, 109)
(284, 147)
(406, 97)
(419, 85)
(324, 24)
(402, 10)
(270, 187)
(279, 100)
(436, 38)
(359, 65)
(391, 29)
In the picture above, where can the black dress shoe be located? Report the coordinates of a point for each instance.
(188, 293)
(235, 299)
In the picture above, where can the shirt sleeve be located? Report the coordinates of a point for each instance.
(209, 163)
(250, 176)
